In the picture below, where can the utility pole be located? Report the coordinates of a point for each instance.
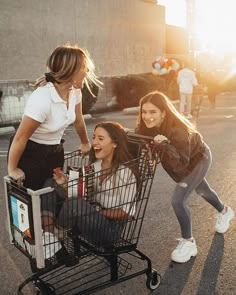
(190, 20)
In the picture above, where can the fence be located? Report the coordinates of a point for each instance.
(12, 101)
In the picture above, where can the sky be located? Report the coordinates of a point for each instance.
(215, 21)
(175, 12)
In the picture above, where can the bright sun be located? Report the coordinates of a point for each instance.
(215, 24)
(215, 21)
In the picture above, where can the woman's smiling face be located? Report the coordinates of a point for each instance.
(102, 144)
(152, 116)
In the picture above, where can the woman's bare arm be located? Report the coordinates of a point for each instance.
(81, 130)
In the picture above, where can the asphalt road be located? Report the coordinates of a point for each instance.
(213, 270)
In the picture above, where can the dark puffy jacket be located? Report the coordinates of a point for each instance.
(181, 153)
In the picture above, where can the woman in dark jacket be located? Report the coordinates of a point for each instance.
(186, 158)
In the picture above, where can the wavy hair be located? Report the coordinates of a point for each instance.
(64, 62)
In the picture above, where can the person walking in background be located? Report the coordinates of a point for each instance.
(186, 79)
(55, 103)
(186, 158)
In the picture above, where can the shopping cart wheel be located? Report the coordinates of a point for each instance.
(153, 280)
(43, 288)
(34, 268)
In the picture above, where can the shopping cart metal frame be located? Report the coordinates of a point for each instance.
(99, 267)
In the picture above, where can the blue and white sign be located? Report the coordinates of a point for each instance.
(20, 215)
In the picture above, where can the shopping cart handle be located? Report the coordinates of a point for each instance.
(132, 133)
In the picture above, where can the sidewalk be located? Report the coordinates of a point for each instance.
(225, 108)
(225, 102)
(11, 129)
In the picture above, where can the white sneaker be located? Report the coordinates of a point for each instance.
(184, 251)
(50, 244)
(223, 220)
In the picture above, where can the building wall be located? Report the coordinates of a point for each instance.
(177, 40)
(122, 36)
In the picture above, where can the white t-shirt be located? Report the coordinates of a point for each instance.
(186, 79)
(47, 107)
(118, 191)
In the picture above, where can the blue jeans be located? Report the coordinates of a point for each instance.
(194, 181)
(80, 215)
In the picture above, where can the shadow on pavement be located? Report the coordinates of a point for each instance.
(208, 281)
(176, 276)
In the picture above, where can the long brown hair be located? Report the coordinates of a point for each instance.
(172, 116)
(64, 62)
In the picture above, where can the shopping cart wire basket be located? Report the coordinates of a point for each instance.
(82, 250)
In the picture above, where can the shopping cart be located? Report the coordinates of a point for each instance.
(91, 256)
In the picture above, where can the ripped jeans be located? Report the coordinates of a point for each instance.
(194, 181)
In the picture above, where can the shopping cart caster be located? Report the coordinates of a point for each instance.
(153, 280)
(43, 288)
(34, 268)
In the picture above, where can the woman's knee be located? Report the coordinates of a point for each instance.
(199, 192)
(180, 196)
(177, 202)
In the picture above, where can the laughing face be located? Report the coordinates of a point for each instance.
(103, 145)
(151, 115)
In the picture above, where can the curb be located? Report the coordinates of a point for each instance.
(11, 129)
(7, 130)
(87, 116)
(135, 110)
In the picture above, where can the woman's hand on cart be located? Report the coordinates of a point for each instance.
(84, 148)
(17, 175)
(160, 138)
(59, 176)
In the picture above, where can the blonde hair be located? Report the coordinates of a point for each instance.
(64, 62)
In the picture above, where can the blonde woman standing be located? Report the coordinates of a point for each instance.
(55, 103)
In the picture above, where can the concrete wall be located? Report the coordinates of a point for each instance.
(12, 103)
(122, 36)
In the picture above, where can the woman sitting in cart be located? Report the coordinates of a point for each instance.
(101, 217)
